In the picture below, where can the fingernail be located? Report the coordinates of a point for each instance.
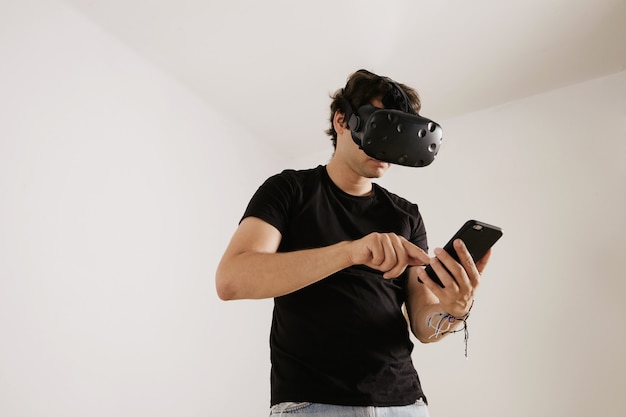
(438, 251)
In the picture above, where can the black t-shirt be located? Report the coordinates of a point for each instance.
(343, 340)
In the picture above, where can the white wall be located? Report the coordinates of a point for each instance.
(119, 190)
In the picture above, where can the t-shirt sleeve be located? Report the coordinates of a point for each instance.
(418, 234)
(272, 201)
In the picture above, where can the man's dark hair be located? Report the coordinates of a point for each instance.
(362, 87)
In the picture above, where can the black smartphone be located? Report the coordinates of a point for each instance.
(478, 238)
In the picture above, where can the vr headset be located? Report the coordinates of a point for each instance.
(395, 134)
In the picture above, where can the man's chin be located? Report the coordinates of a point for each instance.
(379, 163)
(377, 168)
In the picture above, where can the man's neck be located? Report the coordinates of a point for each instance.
(348, 180)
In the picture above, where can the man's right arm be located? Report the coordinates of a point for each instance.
(252, 269)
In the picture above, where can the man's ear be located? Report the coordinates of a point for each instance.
(339, 121)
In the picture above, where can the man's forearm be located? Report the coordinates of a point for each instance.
(254, 275)
(432, 323)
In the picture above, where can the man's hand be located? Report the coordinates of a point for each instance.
(461, 279)
(386, 252)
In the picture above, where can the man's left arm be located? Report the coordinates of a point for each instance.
(434, 311)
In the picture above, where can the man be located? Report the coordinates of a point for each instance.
(342, 256)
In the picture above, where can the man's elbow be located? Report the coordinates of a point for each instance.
(226, 291)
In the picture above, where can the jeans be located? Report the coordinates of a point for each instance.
(419, 409)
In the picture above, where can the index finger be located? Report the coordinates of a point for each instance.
(417, 256)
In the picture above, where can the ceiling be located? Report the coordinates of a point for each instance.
(271, 65)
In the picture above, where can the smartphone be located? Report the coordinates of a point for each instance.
(477, 236)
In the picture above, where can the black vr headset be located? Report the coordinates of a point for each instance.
(395, 134)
